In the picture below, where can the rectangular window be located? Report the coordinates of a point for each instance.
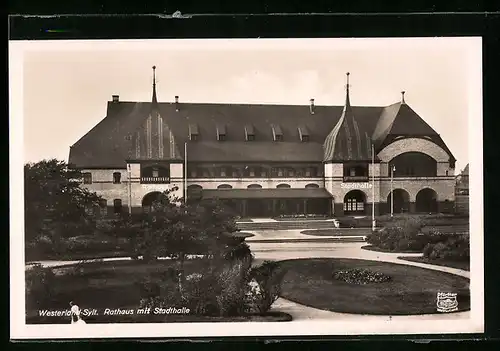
(193, 173)
(308, 172)
(117, 177)
(249, 133)
(352, 172)
(277, 133)
(291, 172)
(87, 178)
(206, 173)
(250, 137)
(280, 172)
(193, 132)
(117, 206)
(155, 173)
(235, 173)
(263, 173)
(103, 207)
(223, 172)
(251, 172)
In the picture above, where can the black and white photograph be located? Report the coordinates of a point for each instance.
(246, 187)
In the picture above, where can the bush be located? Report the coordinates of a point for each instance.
(264, 283)
(404, 234)
(452, 247)
(361, 276)
(40, 287)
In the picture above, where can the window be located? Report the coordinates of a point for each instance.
(303, 134)
(117, 205)
(206, 173)
(353, 205)
(103, 207)
(280, 172)
(221, 132)
(249, 133)
(193, 173)
(155, 172)
(291, 172)
(251, 172)
(223, 172)
(117, 176)
(87, 178)
(193, 132)
(308, 172)
(277, 133)
(235, 173)
(263, 173)
(222, 137)
(352, 172)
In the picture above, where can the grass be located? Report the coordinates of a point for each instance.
(411, 291)
(464, 265)
(113, 285)
(374, 248)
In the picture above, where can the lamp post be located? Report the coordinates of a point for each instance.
(373, 188)
(393, 169)
(129, 176)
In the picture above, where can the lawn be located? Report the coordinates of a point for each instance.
(465, 265)
(411, 290)
(113, 285)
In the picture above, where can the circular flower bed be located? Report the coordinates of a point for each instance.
(361, 276)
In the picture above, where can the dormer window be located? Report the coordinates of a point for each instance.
(221, 132)
(303, 134)
(249, 133)
(277, 133)
(193, 132)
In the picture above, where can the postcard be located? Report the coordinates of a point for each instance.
(245, 187)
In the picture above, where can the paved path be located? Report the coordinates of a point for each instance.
(294, 250)
(295, 234)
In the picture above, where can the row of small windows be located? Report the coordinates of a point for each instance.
(258, 172)
(221, 133)
(254, 186)
(103, 207)
(87, 178)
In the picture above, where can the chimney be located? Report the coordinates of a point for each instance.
(403, 97)
(116, 98)
(177, 103)
(311, 106)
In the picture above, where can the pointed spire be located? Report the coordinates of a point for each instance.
(155, 100)
(347, 100)
(403, 97)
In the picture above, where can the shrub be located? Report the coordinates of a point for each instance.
(403, 234)
(452, 247)
(40, 287)
(264, 284)
(361, 276)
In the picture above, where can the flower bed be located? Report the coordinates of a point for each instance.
(361, 276)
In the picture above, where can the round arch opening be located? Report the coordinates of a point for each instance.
(150, 198)
(400, 201)
(426, 201)
(355, 203)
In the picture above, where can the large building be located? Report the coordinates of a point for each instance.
(268, 160)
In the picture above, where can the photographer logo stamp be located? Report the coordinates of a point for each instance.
(447, 302)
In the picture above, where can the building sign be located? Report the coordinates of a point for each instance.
(356, 185)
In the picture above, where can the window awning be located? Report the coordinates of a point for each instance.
(266, 193)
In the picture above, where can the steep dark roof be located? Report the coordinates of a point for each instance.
(347, 141)
(111, 141)
(399, 119)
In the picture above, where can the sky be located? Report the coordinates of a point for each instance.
(66, 85)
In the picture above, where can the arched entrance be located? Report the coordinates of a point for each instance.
(426, 201)
(354, 203)
(401, 201)
(150, 198)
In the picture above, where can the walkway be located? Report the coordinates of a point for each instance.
(294, 245)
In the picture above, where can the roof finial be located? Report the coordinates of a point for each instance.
(155, 100)
(347, 101)
(403, 97)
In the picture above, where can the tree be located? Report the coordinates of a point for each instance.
(55, 201)
(173, 228)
